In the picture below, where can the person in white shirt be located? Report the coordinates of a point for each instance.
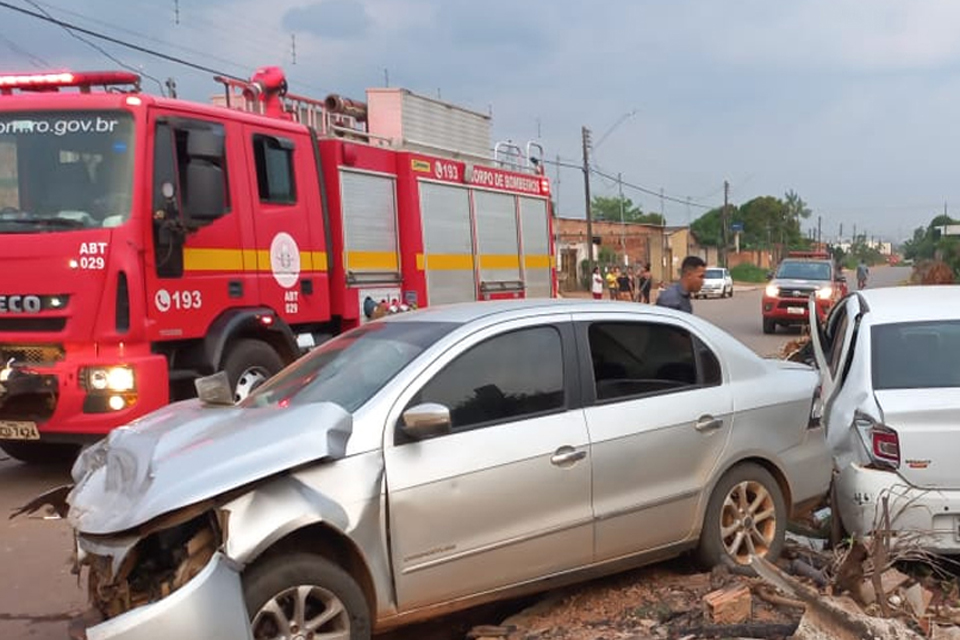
(596, 286)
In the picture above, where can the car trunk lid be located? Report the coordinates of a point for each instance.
(927, 422)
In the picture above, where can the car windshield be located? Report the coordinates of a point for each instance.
(916, 355)
(65, 170)
(804, 270)
(351, 368)
(714, 274)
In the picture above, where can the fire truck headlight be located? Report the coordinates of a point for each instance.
(114, 379)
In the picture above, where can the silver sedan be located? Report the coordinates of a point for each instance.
(443, 458)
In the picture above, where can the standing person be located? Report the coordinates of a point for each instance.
(677, 296)
(624, 288)
(596, 284)
(612, 282)
(862, 272)
(646, 281)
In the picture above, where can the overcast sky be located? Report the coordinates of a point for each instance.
(851, 103)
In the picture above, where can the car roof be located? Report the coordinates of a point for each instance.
(505, 309)
(912, 303)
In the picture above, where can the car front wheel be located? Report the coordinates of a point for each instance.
(769, 326)
(746, 516)
(301, 595)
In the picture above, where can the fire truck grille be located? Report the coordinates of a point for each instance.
(46, 325)
(37, 407)
(31, 353)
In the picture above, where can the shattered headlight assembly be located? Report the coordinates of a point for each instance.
(170, 553)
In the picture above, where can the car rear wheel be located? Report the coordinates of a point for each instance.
(33, 452)
(769, 326)
(301, 595)
(746, 516)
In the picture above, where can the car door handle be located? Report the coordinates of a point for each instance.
(708, 423)
(566, 456)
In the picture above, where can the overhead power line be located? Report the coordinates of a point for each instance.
(35, 60)
(97, 47)
(117, 41)
(629, 185)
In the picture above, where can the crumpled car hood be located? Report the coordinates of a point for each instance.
(188, 452)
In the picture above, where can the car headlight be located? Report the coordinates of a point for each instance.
(114, 379)
(773, 290)
(824, 293)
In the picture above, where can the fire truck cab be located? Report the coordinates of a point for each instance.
(146, 241)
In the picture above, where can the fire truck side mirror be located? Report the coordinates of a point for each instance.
(203, 192)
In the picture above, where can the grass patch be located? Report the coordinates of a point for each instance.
(748, 272)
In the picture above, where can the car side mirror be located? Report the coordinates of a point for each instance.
(426, 420)
(769, 275)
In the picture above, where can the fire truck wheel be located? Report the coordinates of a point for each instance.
(248, 364)
(40, 452)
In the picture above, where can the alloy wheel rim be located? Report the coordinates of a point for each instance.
(248, 381)
(748, 521)
(304, 612)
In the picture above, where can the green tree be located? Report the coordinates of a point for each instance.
(609, 210)
(707, 228)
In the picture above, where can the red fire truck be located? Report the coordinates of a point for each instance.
(146, 241)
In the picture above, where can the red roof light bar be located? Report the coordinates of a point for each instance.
(57, 79)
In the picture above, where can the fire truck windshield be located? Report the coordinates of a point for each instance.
(63, 170)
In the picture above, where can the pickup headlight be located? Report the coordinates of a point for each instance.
(772, 290)
(824, 293)
(109, 379)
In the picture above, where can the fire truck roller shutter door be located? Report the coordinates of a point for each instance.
(369, 223)
(496, 215)
(447, 243)
(536, 247)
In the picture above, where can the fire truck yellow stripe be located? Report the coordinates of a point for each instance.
(501, 261)
(212, 260)
(537, 262)
(449, 262)
(249, 260)
(373, 260)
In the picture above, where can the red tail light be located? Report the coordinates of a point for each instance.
(885, 444)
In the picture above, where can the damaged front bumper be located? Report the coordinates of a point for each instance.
(209, 606)
(929, 518)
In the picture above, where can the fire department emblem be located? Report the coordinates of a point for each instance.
(285, 260)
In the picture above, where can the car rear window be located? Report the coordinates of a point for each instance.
(714, 274)
(916, 355)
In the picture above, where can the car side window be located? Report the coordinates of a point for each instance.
(636, 358)
(508, 377)
(712, 375)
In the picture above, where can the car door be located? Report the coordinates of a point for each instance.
(659, 417)
(832, 341)
(504, 498)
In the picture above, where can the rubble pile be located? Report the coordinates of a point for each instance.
(861, 590)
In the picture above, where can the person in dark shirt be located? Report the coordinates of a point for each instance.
(677, 296)
(624, 286)
(646, 281)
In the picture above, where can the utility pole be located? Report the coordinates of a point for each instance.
(586, 194)
(556, 188)
(623, 240)
(840, 237)
(819, 231)
(667, 268)
(723, 224)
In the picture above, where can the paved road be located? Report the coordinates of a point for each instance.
(38, 593)
(740, 315)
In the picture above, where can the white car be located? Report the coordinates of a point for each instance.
(890, 374)
(717, 282)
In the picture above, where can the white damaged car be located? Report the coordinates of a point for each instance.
(890, 371)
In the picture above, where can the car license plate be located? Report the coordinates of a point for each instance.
(796, 311)
(18, 430)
